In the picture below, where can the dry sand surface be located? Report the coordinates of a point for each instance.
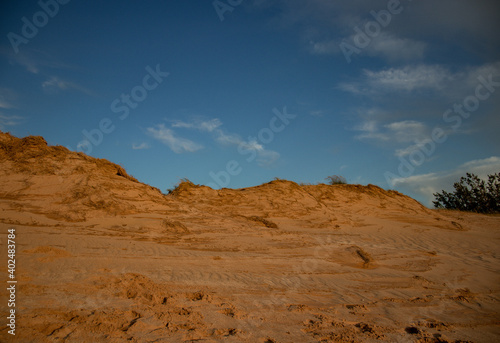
(101, 257)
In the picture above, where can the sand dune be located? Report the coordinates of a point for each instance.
(102, 257)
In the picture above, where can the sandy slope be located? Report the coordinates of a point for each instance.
(104, 258)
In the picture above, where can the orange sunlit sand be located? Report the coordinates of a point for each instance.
(103, 257)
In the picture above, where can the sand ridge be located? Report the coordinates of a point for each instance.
(102, 257)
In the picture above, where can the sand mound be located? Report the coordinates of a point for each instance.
(102, 257)
(33, 156)
(64, 185)
(330, 205)
(77, 187)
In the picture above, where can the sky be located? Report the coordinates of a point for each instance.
(233, 93)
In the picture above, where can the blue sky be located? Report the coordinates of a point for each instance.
(401, 94)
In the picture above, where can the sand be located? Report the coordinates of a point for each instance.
(101, 257)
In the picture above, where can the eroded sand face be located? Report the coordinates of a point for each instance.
(102, 258)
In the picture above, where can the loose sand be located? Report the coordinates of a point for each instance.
(101, 257)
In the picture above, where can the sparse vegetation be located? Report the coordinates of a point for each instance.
(472, 194)
(182, 185)
(302, 184)
(336, 180)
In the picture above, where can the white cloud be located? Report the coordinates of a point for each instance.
(55, 82)
(424, 185)
(396, 132)
(370, 130)
(176, 144)
(6, 120)
(351, 87)
(231, 139)
(265, 157)
(202, 125)
(484, 166)
(368, 126)
(408, 130)
(408, 150)
(141, 146)
(409, 78)
(395, 122)
(405, 79)
(467, 81)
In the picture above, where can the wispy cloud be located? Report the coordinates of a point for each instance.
(385, 45)
(317, 113)
(30, 64)
(404, 136)
(7, 100)
(407, 130)
(395, 132)
(7, 96)
(370, 130)
(395, 48)
(202, 125)
(168, 137)
(414, 78)
(4, 104)
(141, 146)
(6, 120)
(264, 157)
(329, 47)
(413, 98)
(267, 157)
(44, 65)
(405, 79)
(427, 184)
(409, 78)
(54, 84)
(34, 61)
(323, 24)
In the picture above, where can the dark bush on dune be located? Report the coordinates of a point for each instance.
(336, 180)
(472, 194)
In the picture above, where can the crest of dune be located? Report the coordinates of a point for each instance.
(103, 257)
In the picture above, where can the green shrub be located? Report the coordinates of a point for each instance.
(336, 180)
(472, 194)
